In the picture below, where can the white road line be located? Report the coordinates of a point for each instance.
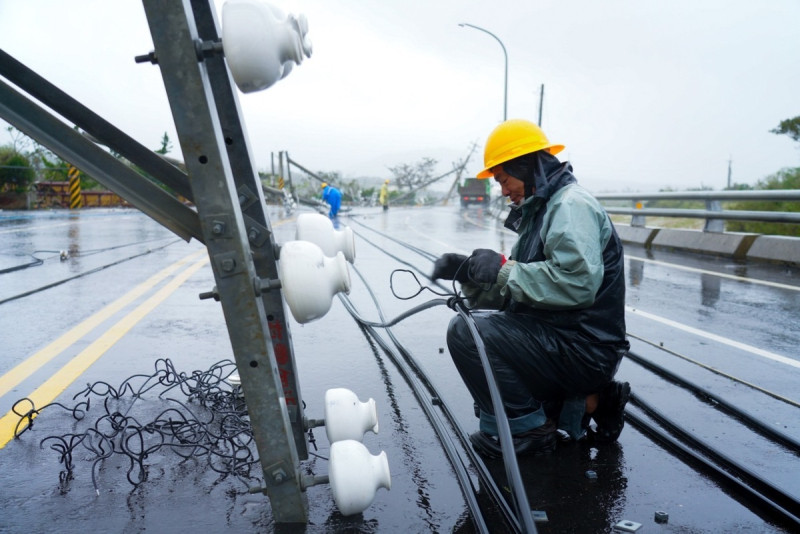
(714, 337)
(714, 273)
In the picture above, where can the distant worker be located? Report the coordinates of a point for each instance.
(333, 197)
(383, 198)
(557, 336)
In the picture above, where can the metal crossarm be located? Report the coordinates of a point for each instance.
(87, 156)
(98, 128)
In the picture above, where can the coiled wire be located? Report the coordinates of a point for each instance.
(207, 420)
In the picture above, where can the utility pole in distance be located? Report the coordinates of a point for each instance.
(541, 99)
(730, 161)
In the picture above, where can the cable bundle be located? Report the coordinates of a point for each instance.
(208, 420)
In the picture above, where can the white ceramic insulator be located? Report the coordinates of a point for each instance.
(356, 476)
(346, 417)
(310, 279)
(318, 229)
(261, 43)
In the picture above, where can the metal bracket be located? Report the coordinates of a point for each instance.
(257, 234)
(246, 197)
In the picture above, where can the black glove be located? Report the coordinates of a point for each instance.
(451, 267)
(484, 264)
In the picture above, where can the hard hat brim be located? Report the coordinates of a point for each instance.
(487, 173)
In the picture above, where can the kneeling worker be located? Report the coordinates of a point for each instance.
(556, 335)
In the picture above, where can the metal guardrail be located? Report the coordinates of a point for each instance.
(714, 214)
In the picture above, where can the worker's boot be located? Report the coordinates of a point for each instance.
(610, 412)
(537, 441)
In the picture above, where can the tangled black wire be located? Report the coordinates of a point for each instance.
(454, 296)
(216, 427)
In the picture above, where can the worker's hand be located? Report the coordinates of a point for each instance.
(484, 264)
(451, 266)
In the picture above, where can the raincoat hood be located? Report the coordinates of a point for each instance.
(543, 175)
(540, 171)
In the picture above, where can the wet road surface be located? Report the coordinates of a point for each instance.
(125, 297)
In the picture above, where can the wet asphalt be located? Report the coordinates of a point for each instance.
(728, 327)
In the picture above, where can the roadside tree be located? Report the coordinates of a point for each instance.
(16, 172)
(413, 175)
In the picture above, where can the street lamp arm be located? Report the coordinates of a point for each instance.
(490, 33)
(505, 55)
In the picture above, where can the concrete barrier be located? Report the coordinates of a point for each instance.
(734, 245)
(636, 234)
(754, 247)
(775, 248)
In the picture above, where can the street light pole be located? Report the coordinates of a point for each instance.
(505, 54)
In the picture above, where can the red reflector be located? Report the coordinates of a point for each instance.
(480, 198)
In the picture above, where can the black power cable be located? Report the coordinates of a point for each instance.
(421, 252)
(781, 505)
(503, 428)
(719, 403)
(427, 403)
(63, 254)
(509, 456)
(85, 273)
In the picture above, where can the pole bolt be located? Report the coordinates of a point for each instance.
(217, 228)
(278, 476)
(228, 264)
(213, 294)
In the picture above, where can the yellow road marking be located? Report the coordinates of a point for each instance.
(57, 383)
(24, 369)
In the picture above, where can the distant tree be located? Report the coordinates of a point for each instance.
(413, 175)
(19, 141)
(331, 177)
(783, 179)
(351, 190)
(42, 164)
(16, 172)
(740, 187)
(790, 127)
(788, 178)
(53, 168)
(166, 145)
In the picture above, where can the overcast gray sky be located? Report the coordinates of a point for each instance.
(644, 94)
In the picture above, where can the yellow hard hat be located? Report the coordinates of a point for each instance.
(386, 181)
(511, 139)
(324, 185)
